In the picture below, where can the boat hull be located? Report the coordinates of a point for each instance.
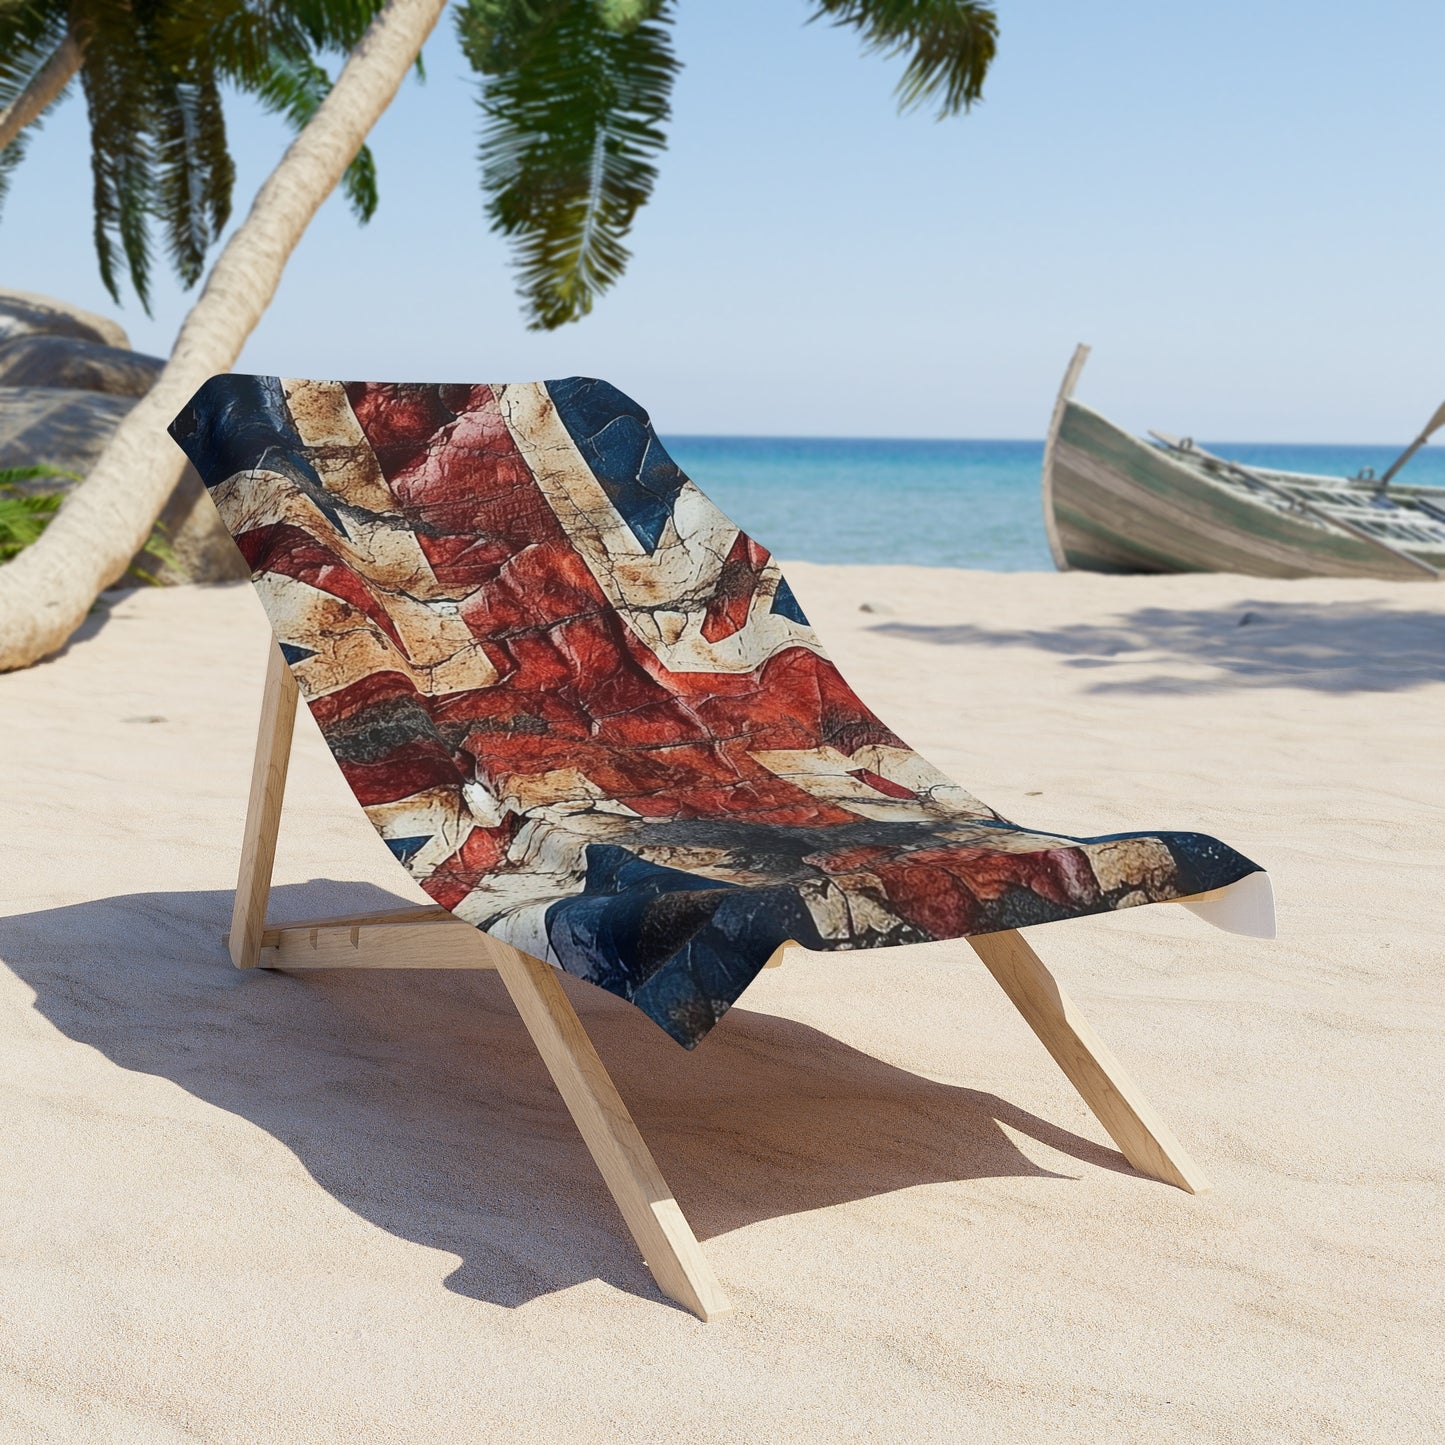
(1117, 504)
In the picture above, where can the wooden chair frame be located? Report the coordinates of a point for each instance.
(430, 937)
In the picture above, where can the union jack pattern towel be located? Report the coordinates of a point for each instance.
(586, 712)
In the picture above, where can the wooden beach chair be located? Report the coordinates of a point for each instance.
(588, 715)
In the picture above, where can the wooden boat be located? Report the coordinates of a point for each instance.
(1116, 503)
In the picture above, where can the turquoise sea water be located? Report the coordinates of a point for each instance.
(934, 503)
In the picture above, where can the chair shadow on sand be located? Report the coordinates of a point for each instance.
(1335, 647)
(416, 1100)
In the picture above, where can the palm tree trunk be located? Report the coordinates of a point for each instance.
(45, 85)
(47, 590)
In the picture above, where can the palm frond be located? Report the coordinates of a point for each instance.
(194, 170)
(158, 548)
(24, 516)
(10, 158)
(268, 48)
(293, 85)
(240, 35)
(574, 99)
(29, 36)
(116, 74)
(11, 477)
(152, 73)
(950, 45)
(234, 36)
(333, 24)
(624, 14)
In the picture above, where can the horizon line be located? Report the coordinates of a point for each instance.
(996, 441)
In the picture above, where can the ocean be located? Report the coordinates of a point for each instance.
(934, 503)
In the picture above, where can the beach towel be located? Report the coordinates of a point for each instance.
(586, 712)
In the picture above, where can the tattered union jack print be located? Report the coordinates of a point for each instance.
(586, 712)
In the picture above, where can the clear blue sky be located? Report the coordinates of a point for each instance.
(1238, 204)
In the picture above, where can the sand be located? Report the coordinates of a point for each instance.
(259, 1208)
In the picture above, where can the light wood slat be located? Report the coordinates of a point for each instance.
(413, 913)
(1142, 1136)
(662, 1233)
(431, 936)
(263, 812)
(435, 944)
(271, 934)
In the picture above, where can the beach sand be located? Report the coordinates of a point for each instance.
(341, 1207)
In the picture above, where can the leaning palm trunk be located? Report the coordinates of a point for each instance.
(47, 590)
(45, 85)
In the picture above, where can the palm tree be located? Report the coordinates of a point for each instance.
(574, 92)
(152, 72)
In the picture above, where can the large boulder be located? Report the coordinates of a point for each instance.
(24, 314)
(67, 377)
(57, 426)
(69, 429)
(35, 360)
(201, 549)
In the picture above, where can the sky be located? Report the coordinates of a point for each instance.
(1238, 205)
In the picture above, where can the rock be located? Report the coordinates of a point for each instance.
(67, 361)
(201, 546)
(67, 377)
(69, 429)
(25, 314)
(58, 426)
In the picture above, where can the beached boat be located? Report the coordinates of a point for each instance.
(1116, 503)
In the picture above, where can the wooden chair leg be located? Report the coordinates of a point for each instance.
(662, 1233)
(1142, 1136)
(652, 1214)
(263, 812)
